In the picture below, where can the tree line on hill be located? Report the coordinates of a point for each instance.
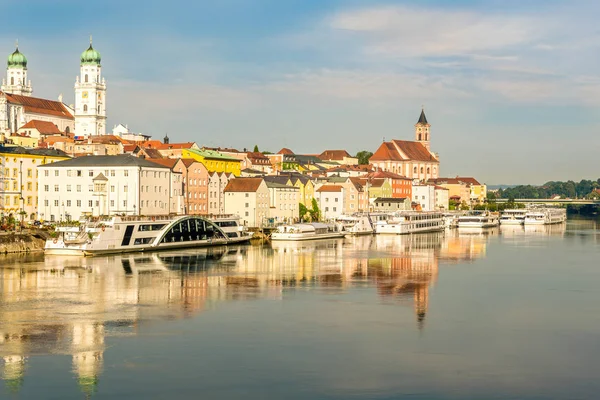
(569, 189)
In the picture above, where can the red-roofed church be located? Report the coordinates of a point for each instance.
(413, 159)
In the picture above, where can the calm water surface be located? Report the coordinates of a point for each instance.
(510, 314)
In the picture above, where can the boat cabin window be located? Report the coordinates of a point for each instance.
(189, 230)
(143, 240)
(151, 227)
(224, 224)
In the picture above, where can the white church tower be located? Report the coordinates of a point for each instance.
(16, 75)
(90, 95)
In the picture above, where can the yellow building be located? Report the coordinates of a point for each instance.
(19, 179)
(214, 161)
(464, 189)
(24, 141)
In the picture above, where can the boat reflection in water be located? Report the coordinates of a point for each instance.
(66, 305)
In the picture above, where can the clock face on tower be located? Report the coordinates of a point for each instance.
(84, 95)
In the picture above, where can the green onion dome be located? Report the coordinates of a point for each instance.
(90, 57)
(17, 59)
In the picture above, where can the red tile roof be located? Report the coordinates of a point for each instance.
(337, 155)
(468, 179)
(285, 151)
(43, 127)
(243, 185)
(167, 162)
(40, 106)
(386, 174)
(168, 146)
(402, 150)
(329, 188)
(455, 181)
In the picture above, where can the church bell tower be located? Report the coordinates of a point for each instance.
(16, 75)
(422, 130)
(90, 95)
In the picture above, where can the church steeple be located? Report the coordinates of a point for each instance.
(16, 74)
(90, 95)
(422, 134)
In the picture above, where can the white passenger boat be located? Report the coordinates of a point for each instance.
(405, 222)
(310, 231)
(356, 224)
(230, 224)
(451, 220)
(545, 216)
(513, 217)
(134, 234)
(482, 219)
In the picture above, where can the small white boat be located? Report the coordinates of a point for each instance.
(309, 231)
(110, 235)
(406, 222)
(545, 216)
(483, 219)
(451, 220)
(357, 224)
(513, 217)
(230, 224)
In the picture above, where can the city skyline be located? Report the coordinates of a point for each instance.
(506, 86)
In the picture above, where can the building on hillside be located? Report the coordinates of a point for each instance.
(123, 132)
(214, 161)
(463, 189)
(391, 204)
(104, 185)
(424, 196)
(349, 170)
(248, 198)
(39, 129)
(98, 145)
(330, 199)
(378, 187)
(401, 185)
(23, 140)
(283, 201)
(217, 181)
(19, 179)
(338, 156)
(442, 200)
(175, 150)
(413, 159)
(257, 161)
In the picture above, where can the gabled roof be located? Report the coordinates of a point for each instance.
(468, 179)
(178, 146)
(121, 160)
(167, 162)
(281, 179)
(43, 127)
(152, 153)
(100, 177)
(243, 185)
(277, 185)
(285, 151)
(334, 155)
(402, 150)
(386, 174)
(414, 150)
(330, 188)
(35, 105)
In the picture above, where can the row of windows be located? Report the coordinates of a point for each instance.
(107, 173)
(17, 201)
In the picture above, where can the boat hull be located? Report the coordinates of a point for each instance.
(301, 237)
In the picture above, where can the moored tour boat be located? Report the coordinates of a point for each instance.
(513, 217)
(117, 234)
(308, 231)
(483, 219)
(406, 222)
(545, 216)
(356, 224)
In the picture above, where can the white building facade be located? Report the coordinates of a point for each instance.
(248, 198)
(330, 199)
(424, 195)
(283, 202)
(104, 185)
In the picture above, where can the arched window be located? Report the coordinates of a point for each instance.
(85, 78)
(415, 170)
(67, 130)
(421, 169)
(419, 136)
(427, 169)
(85, 108)
(12, 80)
(98, 109)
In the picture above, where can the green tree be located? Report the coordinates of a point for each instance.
(363, 157)
(303, 212)
(256, 149)
(315, 213)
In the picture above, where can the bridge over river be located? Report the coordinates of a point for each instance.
(583, 202)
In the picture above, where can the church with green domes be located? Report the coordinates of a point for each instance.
(18, 108)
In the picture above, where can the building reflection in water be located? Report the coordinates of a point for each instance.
(69, 305)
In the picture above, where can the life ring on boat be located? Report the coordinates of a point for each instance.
(103, 228)
(55, 241)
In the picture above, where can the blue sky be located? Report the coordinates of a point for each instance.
(511, 88)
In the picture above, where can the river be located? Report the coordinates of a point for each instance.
(507, 314)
